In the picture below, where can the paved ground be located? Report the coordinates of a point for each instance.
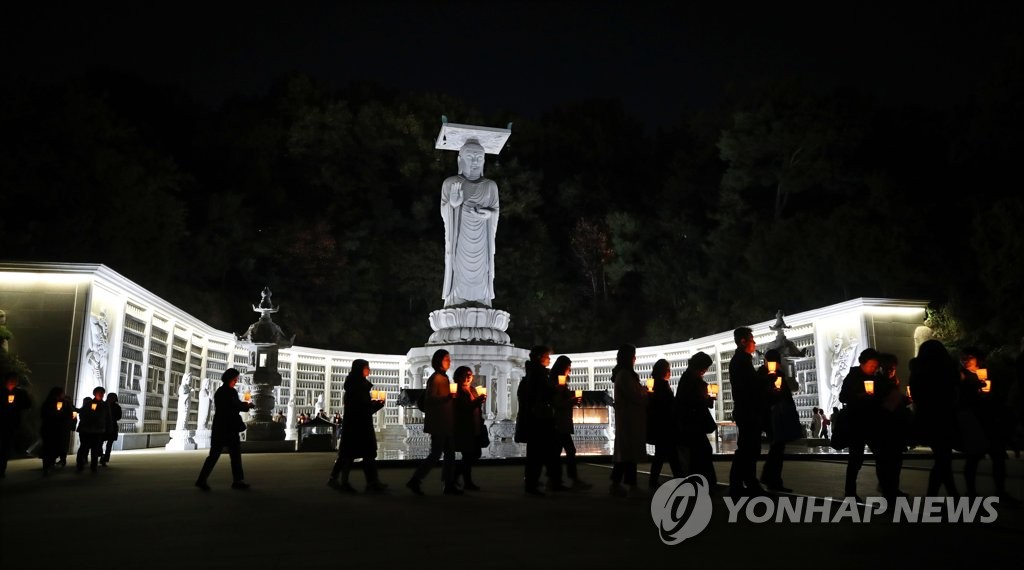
(143, 512)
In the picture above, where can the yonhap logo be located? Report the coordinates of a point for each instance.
(681, 508)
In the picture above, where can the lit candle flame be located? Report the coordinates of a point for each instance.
(579, 393)
(561, 380)
(452, 387)
(982, 374)
(650, 384)
(481, 390)
(10, 398)
(93, 406)
(987, 386)
(60, 405)
(869, 386)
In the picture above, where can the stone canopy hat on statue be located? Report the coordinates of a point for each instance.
(454, 136)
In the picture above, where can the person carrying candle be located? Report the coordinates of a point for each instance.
(55, 414)
(693, 406)
(470, 431)
(750, 393)
(227, 424)
(783, 424)
(858, 407)
(93, 421)
(564, 402)
(13, 401)
(439, 422)
(358, 438)
(990, 412)
(537, 415)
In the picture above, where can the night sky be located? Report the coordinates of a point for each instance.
(522, 57)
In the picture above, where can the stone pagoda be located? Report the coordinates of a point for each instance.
(264, 339)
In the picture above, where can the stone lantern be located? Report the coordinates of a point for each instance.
(263, 340)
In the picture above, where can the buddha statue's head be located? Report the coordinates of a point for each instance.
(471, 160)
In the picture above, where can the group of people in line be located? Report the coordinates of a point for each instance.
(96, 422)
(944, 405)
(454, 420)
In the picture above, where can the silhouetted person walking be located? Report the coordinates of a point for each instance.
(933, 385)
(55, 414)
(565, 401)
(227, 424)
(113, 429)
(358, 438)
(470, 431)
(888, 434)
(13, 401)
(536, 403)
(630, 446)
(662, 426)
(93, 423)
(750, 393)
(860, 412)
(781, 424)
(693, 411)
(439, 422)
(992, 414)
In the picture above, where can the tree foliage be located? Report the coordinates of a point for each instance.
(608, 233)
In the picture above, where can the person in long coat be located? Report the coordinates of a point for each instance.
(358, 438)
(693, 406)
(564, 402)
(470, 431)
(439, 422)
(630, 446)
(55, 415)
(861, 409)
(13, 401)
(93, 422)
(113, 428)
(662, 426)
(227, 424)
(750, 393)
(536, 418)
(933, 382)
